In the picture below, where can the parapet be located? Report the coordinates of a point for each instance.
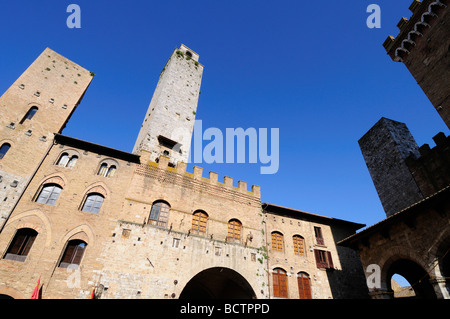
(425, 14)
(431, 170)
(196, 179)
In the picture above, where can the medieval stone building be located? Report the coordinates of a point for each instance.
(413, 182)
(87, 220)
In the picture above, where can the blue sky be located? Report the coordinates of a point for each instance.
(310, 68)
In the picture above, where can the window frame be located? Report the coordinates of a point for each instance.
(21, 244)
(41, 199)
(70, 259)
(319, 235)
(159, 215)
(277, 243)
(234, 230)
(299, 245)
(199, 222)
(304, 285)
(279, 283)
(85, 208)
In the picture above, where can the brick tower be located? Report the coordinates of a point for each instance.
(35, 107)
(423, 45)
(169, 122)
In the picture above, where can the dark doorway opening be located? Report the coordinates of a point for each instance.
(218, 283)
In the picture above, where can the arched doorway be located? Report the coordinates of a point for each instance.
(218, 283)
(417, 277)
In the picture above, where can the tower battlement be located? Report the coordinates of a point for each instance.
(163, 172)
(422, 45)
(425, 15)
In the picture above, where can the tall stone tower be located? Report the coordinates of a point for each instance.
(35, 107)
(423, 45)
(385, 148)
(169, 122)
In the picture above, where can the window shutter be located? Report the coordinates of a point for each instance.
(28, 243)
(17, 243)
(78, 253)
(330, 260)
(304, 287)
(68, 253)
(317, 256)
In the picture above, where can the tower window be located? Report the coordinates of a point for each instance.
(189, 55)
(29, 114)
(4, 149)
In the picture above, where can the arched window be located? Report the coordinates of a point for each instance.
(277, 241)
(67, 161)
(73, 253)
(159, 215)
(279, 283)
(299, 245)
(107, 169)
(21, 244)
(103, 169)
(4, 149)
(72, 161)
(304, 285)
(93, 203)
(234, 230)
(199, 220)
(31, 112)
(49, 194)
(111, 171)
(63, 160)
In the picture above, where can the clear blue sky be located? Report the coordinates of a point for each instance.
(311, 68)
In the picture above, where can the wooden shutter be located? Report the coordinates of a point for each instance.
(304, 286)
(234, 229)
(329, 260)
(277, 241)
(299, 245)
(68, 253)
(279, 283)
(78, 253)
(199, 220)
(22, 242)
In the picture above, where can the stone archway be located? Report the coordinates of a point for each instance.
(415, 275)
(218, 283)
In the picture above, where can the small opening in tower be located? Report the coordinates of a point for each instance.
(189, 54)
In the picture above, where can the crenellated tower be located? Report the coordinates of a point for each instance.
(423, 45)
(169, 122)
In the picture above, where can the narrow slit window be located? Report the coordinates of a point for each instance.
(30, 114)
(4, 149)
